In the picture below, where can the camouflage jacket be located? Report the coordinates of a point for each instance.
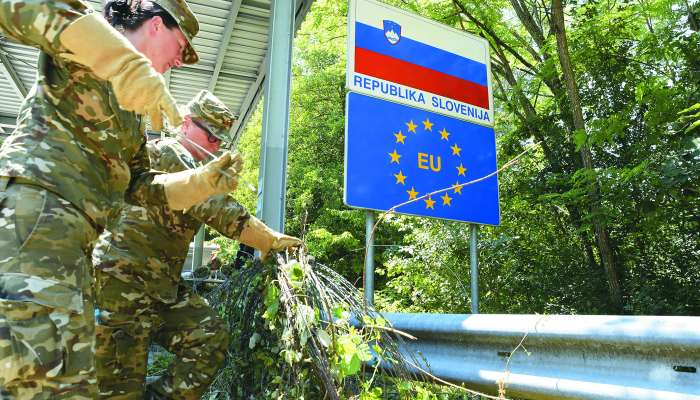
(72, 137)
(147, 247)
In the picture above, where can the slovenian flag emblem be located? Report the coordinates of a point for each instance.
(389, 55)
(392, 31)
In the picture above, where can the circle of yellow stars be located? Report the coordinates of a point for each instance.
(395, 157)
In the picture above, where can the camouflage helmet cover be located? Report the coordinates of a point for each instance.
(211, 112)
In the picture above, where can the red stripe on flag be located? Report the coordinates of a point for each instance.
(391, 69)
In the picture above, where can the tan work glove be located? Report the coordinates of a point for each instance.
(190, 187)
(258, 235)
(92, 42)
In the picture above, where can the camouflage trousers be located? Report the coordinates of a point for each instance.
(130, 320)
(46, 306)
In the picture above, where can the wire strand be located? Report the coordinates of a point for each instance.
(496, 172)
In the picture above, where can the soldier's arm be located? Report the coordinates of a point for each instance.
(38, 23)
(222, 213)
(142, 191)
(155, 156)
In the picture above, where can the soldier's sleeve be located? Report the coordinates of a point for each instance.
(222, 213)
(38, 23)
(170, 156)
(142, 191)
(155, 156)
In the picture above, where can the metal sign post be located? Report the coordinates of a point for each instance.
(474, 231)
(369, 260)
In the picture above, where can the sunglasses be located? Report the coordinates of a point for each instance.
(210, 136)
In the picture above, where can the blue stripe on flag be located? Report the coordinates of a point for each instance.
(409, 50)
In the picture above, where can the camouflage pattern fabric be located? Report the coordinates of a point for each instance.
(72, 137)
(130, 320)
(74, 141)
(147, 247)
(46, 296)
(211, 112)
(138, 263)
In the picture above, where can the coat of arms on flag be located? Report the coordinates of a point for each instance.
(392, 31)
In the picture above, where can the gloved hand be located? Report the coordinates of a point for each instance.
(258, 235)
(92, 42)
(190, 187)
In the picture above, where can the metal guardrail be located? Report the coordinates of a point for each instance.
(561, 357)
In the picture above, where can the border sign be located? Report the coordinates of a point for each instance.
(401, 57)
(395, 153)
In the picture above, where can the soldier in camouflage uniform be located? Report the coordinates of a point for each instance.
(138, 263)
(77, 152)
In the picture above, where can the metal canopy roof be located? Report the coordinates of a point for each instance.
(232, 46)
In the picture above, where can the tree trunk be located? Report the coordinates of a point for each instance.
(601, 233)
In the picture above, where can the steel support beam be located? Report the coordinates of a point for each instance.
(275, 128)
(12, 74)
(223, 46)
(255, 90)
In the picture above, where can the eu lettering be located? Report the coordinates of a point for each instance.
(423, 160)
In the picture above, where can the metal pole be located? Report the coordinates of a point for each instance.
(369, 260)
(198, 250)
(273, 157)
(474, 231)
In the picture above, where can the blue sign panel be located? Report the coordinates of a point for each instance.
(395, 153)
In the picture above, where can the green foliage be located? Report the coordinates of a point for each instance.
(293, 337)
(637, 70)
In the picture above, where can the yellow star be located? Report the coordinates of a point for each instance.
(444, 134)
(461, 169)
(446, 200)
(458, 188)
(412, 194)
(429, 203)
(427, 125)
(455, 150)
(400, 137)
(411, 126)
(394, 157)
(400, 178)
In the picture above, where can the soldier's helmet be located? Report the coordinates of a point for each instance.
(188, 24)
(211, 112)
